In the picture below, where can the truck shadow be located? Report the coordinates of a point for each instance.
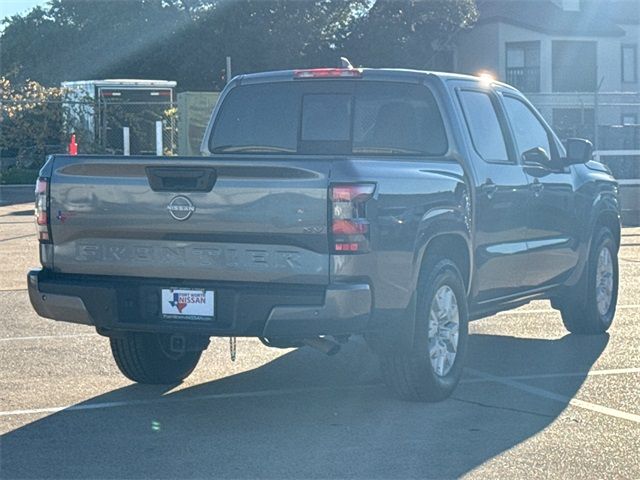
(304, 415)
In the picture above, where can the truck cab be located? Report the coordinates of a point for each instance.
(394, 204)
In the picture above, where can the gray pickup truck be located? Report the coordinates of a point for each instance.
(392, 204)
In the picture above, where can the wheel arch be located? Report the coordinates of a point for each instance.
(398, 335)
(453, 246)
(611, 220)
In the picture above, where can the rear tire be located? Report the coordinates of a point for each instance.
(146, 358)
(430, 371)
(590, 308)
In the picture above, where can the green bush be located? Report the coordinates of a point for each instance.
(18, 176)
(32, 122)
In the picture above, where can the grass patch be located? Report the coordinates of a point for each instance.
(18, 176)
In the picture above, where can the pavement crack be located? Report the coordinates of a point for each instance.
(498, 407)
(17, 238)
(629, 260)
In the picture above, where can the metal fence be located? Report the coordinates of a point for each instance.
(194, 110)
(100, 125)
(625, 165)
(116, 128)
(37, 128)
(609, 119)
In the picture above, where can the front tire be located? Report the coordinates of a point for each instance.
(430, 371)
(146, 358)
(590, 309)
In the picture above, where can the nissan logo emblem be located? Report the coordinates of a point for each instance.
(181, 208)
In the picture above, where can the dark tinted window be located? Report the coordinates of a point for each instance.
(398, 118)
(484, 126)
(332, 117)
(258, 116)
(574, 66)
(326, 117)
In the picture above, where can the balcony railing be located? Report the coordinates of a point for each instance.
(526, 79)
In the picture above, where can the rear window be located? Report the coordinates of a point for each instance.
(330, 117)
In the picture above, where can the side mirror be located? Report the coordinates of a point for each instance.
(579, 150)
(536, 156)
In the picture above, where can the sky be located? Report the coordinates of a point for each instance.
(12, 7)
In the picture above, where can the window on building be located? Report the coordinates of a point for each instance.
(484, 127)
(573, 66)
(523, 65)
(630, 63)
(629, 119)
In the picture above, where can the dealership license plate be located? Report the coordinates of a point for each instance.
(188, 303)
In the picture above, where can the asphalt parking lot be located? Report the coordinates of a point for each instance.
(534, 402)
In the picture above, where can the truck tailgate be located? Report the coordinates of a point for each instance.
(191, 218)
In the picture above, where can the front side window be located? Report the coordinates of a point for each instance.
(528, 130)
(484, 126)
(330, 117)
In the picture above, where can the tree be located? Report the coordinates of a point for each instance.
(77, 39)
(188, 40)
(408, 33)
(31, 121)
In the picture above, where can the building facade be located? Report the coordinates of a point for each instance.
(576, 60)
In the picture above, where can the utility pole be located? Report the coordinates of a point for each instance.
(595, 114)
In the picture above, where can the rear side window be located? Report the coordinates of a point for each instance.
(484, 126)
(330, 117)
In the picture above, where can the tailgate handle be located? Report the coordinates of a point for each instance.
(185, 179)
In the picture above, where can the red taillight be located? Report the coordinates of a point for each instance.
(328, 73)
(42, 210)
(349, 225)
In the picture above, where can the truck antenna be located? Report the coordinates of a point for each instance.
(346, 63)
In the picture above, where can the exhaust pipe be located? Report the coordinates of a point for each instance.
(323, 344)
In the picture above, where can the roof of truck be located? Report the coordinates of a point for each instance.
(122, 82)
(372, 74)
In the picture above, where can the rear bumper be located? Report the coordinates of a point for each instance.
(243, 309)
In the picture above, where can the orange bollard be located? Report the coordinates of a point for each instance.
(73, 146)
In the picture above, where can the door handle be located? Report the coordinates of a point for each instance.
(536, 187)
(489, 188)
(183, 179)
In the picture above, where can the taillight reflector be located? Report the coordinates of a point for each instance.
(42, 210)
(328, 73)
(349, 225)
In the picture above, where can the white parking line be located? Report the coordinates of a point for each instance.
(540, 376)
(551, 310)
(539, 392)
(130, 403)
(46, 337)
(484, 377)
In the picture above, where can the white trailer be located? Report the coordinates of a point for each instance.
(100, 109)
